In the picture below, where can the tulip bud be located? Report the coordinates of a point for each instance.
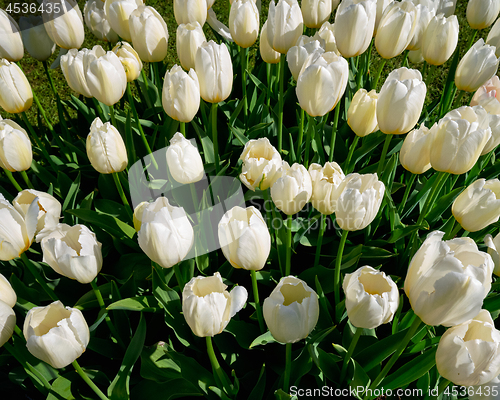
(149, 34)
(7, 322)
(208, 306)
(297, 55)
(35, 38)
(446, 7)
(415, 154)
(105, 148)
(447, 281)
(371, 297)
(73, 251)
(361, 115)
(494, 251)
(425, 13)
(11, 43)
(189, 38)
(166, 235)
(396, 28)
(493, 38)
(354, 24)
(291, 311)
(440, 39)
(181, 94)
(215, 71)
(105, 75)
(488, 96)
(459, 140)
(56, 334)
(97, 21)
(359, 201)
(327, 33)
(244, 22)
(244, 238)
(7, 294)
(478, 206)
(292, 191)
(400, 101)
(325, 186)
(130, 60)
(477, 66)
(118, 14)
(261, 162)
(184, 160)
(74, 71)
(469, 353)
(321, 84)
(15, 147)
(63, 21)
(316, 12)
(15, 91)
(268, 54)
(415, 56)
(482, 13)
(187, 11)
(284, 25)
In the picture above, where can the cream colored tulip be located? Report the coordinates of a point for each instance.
(292, 310)
(74, 71)
(184, 160)
(7, 294)
(190, 37)
(187, 11)
(181, 94)
(325, 186)
(35, 38)
(381, 6)
(482, 13)
(284, 24)
(208, 307)
(63, 21)
(15, 147)
(105, 148)
(7, 322)
(415, 154)
(118, 14)
(292, 191)
(494, 251)
(244, 22)
(415, 56)
(316, 12)
(268, 54)
(494, 141)
(137, 217)
(362, 113)
(446, 7)
(11, 43)
(15, 91)
(327, 33)
(425, 12)
(298, 54)
(130, 60)
(440, 39)
(447, 281)
(488, 96)
(97, 21)
(493, 38)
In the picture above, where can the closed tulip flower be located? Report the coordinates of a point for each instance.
(291, 311)
(15, 147)
(292, 191)
(63, 21)
(56, 334)
(415, 154)
(184, 160)
(446, 7)
(7, 322)
(7, 294)
(440, 39)
(261, 163)
(327, 33)
(488, 96)
(316, 12)
(244, 238)
(371, 297)
(187, 11)
(482, 13)
(415, 56)
(447, 281)
(97, 21)
(396, 28)
(149, 34)
(494, 141)
(354, 24)
(35, 38)
(74, 71)
(325, 186)
(477, 66)
(15, 91)
(400, 101)
(268, 54)
(11, 43)
(244, 22)
(493, 37)
(181, 94)
(469, 353)
(73, 251)
(118, 14)
(284, 25)
(478, 206)
(381, 6)
(362, 113)
(459, 140)
(190, 37)
(297, 55)
(130, 60)
(494, 251)
(321, 84)
(425, 12)
(215, 72)
(166, 235)
(207, 305)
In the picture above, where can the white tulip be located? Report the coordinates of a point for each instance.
(244, 22)
(326, 181)
(118, 14)
(11, 43)
(494, 251)
(316, 12)
(362, 112)
(186, 11)
(327, 33)
(7, 322)
(440, 39)
(7, 294)
(268, 54)
(184, 160)
(415, 154)
(130, 60)
(74, 71)
(298, 54)
(16, 153)
(425, 14)
(15, 91)
(97, 21)
(482, 13)
(486, 96)
(35, 38)
(292, 191)
(190, 37)
(63, 21)
(181, 94)
(284, 24)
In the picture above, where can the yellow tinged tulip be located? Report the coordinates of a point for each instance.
(362, 113)
(15, 91)
(15, 147)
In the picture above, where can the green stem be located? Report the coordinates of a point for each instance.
(350, 351)
(13, 180)
(298, 154)
(213, 116)
(354, 143)
(359, 72)
(453, 232)
(257, 303)
(183, 128)
(434, 191)
(288, 367)
(243, 57)
(26, 179)
(88, 381)
(268, 91)
(51, 82)
(215, 365)
(112, 113)
(405, 58)
(38, 277)
(119, 187)
(338, 263)
(320, 240)
(409, 185)
(311, 131)
(459, 98)
(281, 101)
(288, 246)
(383, 155)
(471, 39)
(334, 130)
(37, 141)
(146, 84)
(379, 72)
(429, 75)
(99, 111)
(178, 275)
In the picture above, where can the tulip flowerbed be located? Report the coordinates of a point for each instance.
(300, 221)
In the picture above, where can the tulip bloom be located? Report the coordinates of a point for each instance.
(291, 311)
(362, 115)
(268, 54)
(181, 94)
(494, 251)
(381, 6)
(447, 281)
(316, 12)
(400, 101)
(415, 154)
(284, 25)
(97, 21)
(493, 37)
(11, 43)
(325, 186)
(440, 39)
(15, 91)
(208, 307)
(105, 148)
(35, 38)
(425, 14)
(56, 334)
(186, 11)
(244, 22)
(184, 160)
(327, 33)
(74, 72)
(488, 96)
(7, 322)
(15, 147)
(118, 14)
(63, 21)
(190, 37)
(130, 60)
(469, 354)
(292, 191)
(298, 54)
(482, 13)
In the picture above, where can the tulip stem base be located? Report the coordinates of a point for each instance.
(112, 115)
(26, 179)
(13, 180)
(409, 186)
(381, 163)
(119, 187)
(213, 116)
(288, 367)
(338, 263)
(88, 381)
(38, 277)
(183, 128)
(334, 130)
(216, 367)
(256, 300)
(281, 101)
(320, 240)
(180, 278)
(288, 246)
(298, 152)
(350, 352)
